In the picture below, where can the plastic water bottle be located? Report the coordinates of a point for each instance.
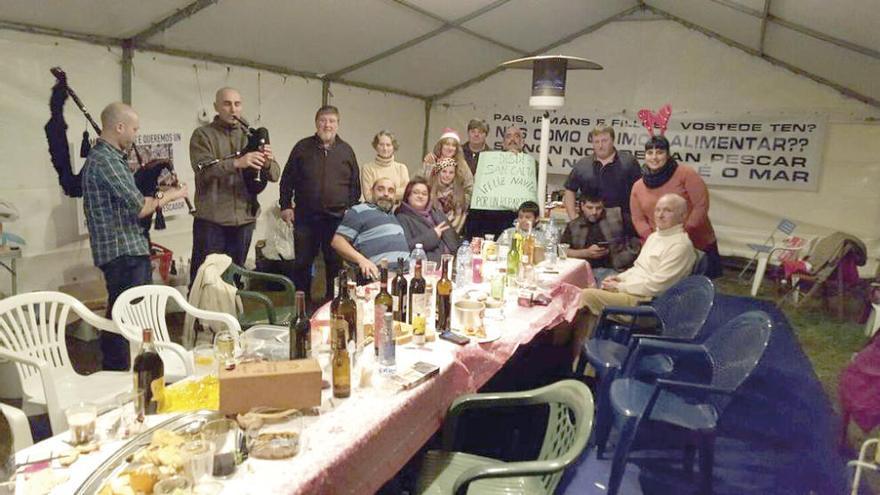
(551, 243)
(463, 264)
(417, 254)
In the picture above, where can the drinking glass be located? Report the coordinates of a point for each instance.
(129, 421)
(198, 459)
(224, 346)
(81, 420)
(226, 436)
(204, 359)
(563, 251)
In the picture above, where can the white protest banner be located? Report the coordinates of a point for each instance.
(748, 151)
(151, 146)
(504, 181)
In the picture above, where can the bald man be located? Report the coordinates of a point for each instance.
(226, 211)
(666, 257)
(113, 205)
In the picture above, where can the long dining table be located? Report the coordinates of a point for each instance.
(355, 445)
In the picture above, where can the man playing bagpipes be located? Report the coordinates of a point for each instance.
(113, 206)
(232, 164)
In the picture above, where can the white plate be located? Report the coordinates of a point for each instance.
(493, 333)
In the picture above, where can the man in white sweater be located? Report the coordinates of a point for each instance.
(667, 257)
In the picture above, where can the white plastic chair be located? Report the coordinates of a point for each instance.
(789, 249)
(863, 462)
(786, 227)
(32, 335)
(145, 307)
(21, 428)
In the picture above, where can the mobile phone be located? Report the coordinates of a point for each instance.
(454, 338)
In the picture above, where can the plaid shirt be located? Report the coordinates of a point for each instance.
(111, 202)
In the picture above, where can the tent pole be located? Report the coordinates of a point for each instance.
(543, 158)
(127, 58)
(325, 92)
(428, 105)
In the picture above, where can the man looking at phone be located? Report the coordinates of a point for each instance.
(370, 232)
(600, 236)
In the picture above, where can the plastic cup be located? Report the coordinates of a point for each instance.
(81, 420)
(198, 459)
(563, 251)
(204, 359)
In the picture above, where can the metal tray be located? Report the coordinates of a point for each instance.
(116, 462)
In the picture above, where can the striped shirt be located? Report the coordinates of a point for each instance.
(111, 202)
(374, 233)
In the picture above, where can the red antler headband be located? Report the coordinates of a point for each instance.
(660, 119)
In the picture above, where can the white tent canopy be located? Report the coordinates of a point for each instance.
(429, 48)
(417, 66)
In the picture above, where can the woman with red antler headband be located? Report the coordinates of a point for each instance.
(661, 174)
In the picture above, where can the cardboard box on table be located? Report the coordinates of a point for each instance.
(282, 384)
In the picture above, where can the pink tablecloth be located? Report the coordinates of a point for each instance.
(363, 442)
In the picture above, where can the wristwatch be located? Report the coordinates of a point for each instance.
(159, 195)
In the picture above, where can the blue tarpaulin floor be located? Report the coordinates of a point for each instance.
(777, 437)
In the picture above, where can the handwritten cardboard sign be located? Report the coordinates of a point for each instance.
(504, 181)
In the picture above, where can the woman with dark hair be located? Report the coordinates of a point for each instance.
(425, 224)
(661, 174)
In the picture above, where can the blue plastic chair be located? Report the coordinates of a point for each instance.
(680, 312)
(732, 352)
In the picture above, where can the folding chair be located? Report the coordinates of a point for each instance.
(827, 257)
(785, 226)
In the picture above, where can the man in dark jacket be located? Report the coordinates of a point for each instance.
(610, 172)
(601, 236)
(320, 182)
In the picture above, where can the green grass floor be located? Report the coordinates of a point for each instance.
(828, 341)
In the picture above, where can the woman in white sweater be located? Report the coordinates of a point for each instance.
(383, 166)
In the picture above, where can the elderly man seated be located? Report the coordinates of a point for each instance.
(666, 257)
(370, 232)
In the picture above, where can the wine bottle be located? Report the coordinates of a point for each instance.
(399, 294)
(149, 376)
(343, 306)
(381, 304)
(300, 330)
(513, 261)
(418, 298)
(444, 299)
(340, 361)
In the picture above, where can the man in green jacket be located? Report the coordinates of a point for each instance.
(226, 210)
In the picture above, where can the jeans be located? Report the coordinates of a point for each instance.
(213, 238)
(310, 236)
(120, 274)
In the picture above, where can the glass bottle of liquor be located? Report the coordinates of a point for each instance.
(381, 304)
(149, 376)
(418, 298)
(528, 246)
(418, 328)
(399, 293)
(300, 330)
(444, 299)
(513, 261)
(340, 361)
(343, 306)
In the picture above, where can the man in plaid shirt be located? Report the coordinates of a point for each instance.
(113, 205)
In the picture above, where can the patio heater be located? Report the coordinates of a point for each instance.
(548, 93)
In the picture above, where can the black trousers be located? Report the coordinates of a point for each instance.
(482, 222)
(120, 274)
(713, 261)
(310, 236)
(213, 238)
